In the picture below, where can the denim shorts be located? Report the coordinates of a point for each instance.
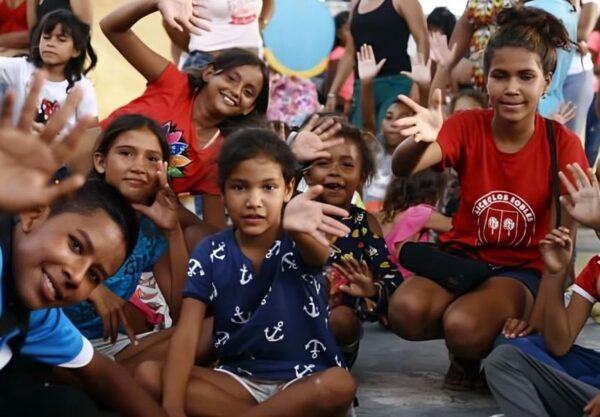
(197, 59)
(529, 277)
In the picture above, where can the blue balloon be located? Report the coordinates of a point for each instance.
(299, 37)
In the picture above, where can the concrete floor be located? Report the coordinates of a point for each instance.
(400, 378)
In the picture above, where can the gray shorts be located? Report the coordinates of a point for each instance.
(260, 390)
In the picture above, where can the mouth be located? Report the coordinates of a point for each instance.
(228, 100)
(50, 289)
(511, 104)
(334, 186)
(135, 182)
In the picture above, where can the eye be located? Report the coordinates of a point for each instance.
(348, 164)
(497, 76)
(95, 276)
(236, 187)
(249, 93)
(154, 158)
(229, 76)
(527, 77)
(75, 245)
(321, 163)
(125, 153)
(46, 36)
(270, 187)
(62, 38)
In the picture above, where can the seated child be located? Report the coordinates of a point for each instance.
(49, 258)
(361, 274)
(546, 374)
(263, 283)
(409, 214)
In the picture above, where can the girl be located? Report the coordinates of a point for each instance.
(194, 109)
(362, 276)
(502, 158)
(131, 156)
(263, 283)
(342, 34)
(60, 46)
(409, 213)
(368, 69)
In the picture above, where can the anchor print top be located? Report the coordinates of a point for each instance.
(269, 324)
(362, 244)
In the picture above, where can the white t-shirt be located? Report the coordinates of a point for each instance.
(234, 24)
(17, 74)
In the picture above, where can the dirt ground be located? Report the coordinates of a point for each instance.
(115, 81)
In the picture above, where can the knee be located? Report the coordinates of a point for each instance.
(336, 389)
(148, 375)
(409, 315)
(502, 357)
(345, 325)
(466, 336)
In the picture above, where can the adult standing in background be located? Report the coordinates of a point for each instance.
(385, 25)
(233, 24)
(36, 9)
(14, 35)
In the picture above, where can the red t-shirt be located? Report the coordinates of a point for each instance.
(586, 283)
(169, 101)
(505, 198)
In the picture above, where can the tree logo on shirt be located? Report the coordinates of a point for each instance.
(178, 147)
(504, 219)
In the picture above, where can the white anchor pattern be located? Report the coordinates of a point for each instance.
(270, 324)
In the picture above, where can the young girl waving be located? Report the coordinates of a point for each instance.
(503, 160)
(263, 283)
(60, 46)
(194, 109)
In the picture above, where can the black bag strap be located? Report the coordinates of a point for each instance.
(14, 313)
(554, 171)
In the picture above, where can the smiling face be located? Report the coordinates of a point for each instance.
(61, 259)
(340, 175)
(232, 92)
(254, 195)
(56, 47)
(131, 164)
(516, 83)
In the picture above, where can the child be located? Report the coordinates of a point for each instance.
(53, 257)
(362, 277)
(262, 281)
(553, 375)
(409, 214)
(195, 109)
(368, 69)
(60, 46)
(503, 160)
(131, 156)
(342, 35)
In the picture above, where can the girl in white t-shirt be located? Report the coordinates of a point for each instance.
(60, 46)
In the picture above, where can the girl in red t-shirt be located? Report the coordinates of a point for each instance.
(195, 108)
(502, 158)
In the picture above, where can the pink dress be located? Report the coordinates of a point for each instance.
(347, 89)
(409, 223)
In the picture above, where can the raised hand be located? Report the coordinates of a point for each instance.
(368, 68)
(514, 328)
(190, 15)
(439, 51)
(163, 211)
(583, 201)
(110, 309)
(314, 138)
(28, 161)
(421, 70)
(304, 215)
(565, 113)
(557, 250)
(360, 279)
(425, 123)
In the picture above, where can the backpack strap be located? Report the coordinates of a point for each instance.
(14, 313)
(554, 170)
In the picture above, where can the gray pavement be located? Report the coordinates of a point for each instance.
(400, 378)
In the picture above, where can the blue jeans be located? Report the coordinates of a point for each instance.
(578, 89)
(592, 134)
(579, 362)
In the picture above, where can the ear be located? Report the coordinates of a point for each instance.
(33, 218)
(289, 190)
(75, 53)
(548, 78)
(208, 72)
(99, 162)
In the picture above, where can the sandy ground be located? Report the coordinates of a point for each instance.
(115, 81)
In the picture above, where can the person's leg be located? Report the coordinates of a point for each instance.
(326, 394)
(416, 308)
(346, 329)
(524, 387)
(592, 134)
(209, 393)
(154, 347)
(534, 346)
(578, 89)
(472, 322)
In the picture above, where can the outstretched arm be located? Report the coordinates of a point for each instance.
(368, 68)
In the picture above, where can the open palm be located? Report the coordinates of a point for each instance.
(368, 67)
(426, 123)
(583, 200)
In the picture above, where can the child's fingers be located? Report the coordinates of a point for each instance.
(413, 131)
(7, 109)
(413, 105)
(593, 178)
(320, 237)
(59, 119)
(405, 121)
(332, 210)
(581, 180)
(333, 227)
(63, 149)
(567, 183)
(65, 187)
(29, 109)
(330, 143)
(128, 330)
(312, 122)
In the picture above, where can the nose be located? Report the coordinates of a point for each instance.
(139, 164)
(75, 271)
(254, 199)
(513, 85)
